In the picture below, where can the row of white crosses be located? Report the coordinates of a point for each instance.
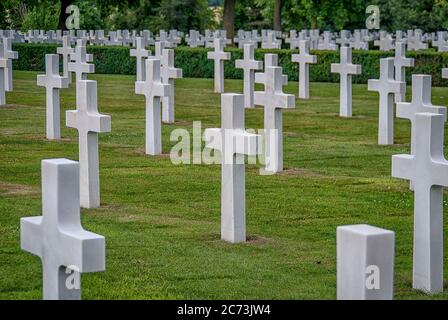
(85, 118)
(391, 87)
(6, 57)
(155, 80)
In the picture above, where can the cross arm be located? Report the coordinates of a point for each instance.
(246, 143)
(285, 101)
(3, 63)
(83, 249)
(403, 166)
(213, 138)
(31, 235)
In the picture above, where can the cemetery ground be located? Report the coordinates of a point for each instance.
(162, 221)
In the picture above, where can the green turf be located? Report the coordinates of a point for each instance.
(162, 222)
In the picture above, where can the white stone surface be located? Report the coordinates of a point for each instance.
(273, 100)
(364, 252)
(10, 55)
(89, 123)
(3, 75)
(345, 69)
(66, 51)
(219, 56)
(52, 82)
(141, 54)
(233, 142)
(153, 89)
(80, 66)
(249, 65)
(57, 236)
(304, 59)
(168, 74)
(428, 170)
(401, 63)
(386, 86)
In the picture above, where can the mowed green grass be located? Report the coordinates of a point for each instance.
(162, 222)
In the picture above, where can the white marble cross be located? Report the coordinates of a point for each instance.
(271, 42)
(421, 102)
(3, 75)
(9, 55)
(304, 59)
(219, 56)
(140, 53)
(168, 74)
(386, 87)
(57, 237)
(234, 143)
(441, 43)
(158, 49)
(80, 66)
(386, 42)
(273, 100)
(66, 51)
(346, 69)
(52, 81)
(427, 169)
(401, 62)
(445, 73)
(89, 123)
(293, 40)
(271, 60)
(153, 89)
(249, 65)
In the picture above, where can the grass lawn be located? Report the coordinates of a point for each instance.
(162, 222)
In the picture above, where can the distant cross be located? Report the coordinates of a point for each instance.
(52, 81)
(401, 62)
(80, 66)
(158, 49)
(153, 89)
(3, 75)
(249, 65)
(304, 59)
(271, 42)
(445, 73)
(421, 102)
(441, 41)
(273, 100)
(415, 42)
(386, 87)
(57, 237)
(9, 55)
(346, 69)
(234, 143)
(194, 40)
(386, 42)
(89, 123)
(168, 74)
(327, 42)
(427, 169)
(140, 53)
(293, 40)
(66, 51)
(219, 56)
(271, 60)
(358, 43)
(344, 38)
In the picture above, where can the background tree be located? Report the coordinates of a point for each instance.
(229, 18)
(278, 15)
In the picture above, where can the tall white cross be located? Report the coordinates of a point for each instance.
(57, 237)
(89, 123)
(273, 100)
(249, 65)
(140, 53)
(401, 62)
(427, 169)
(386, 87)
(234, 143)
(421, 102)
(346, 69)
(52, 81)
(304, 59)
(271, 42)
(80, 66)
(219, 56)
(66, 51)
(153, 89)
(271, 60)
(168, 74)
(3, 75)
(9, 55)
